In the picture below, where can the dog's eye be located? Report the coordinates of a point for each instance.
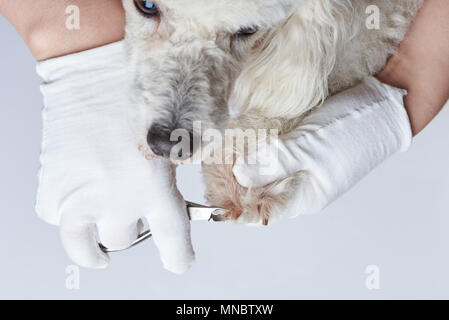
(147, 8)
(247, 31)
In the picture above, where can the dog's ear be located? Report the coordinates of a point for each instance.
(288, 70)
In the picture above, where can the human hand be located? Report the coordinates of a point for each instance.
(334, 147)
(93, 182)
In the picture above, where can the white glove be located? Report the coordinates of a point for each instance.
(335, 146)
(93, 178)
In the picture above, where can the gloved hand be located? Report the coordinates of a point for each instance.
(335, 146)
(93, 179)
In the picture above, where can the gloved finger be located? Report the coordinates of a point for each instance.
(259, 169)
(248, 176)
(270, 163)
(170, 226)
(117, 235)
(307, 196)
(80, 242)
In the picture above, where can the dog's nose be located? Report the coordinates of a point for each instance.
(160, 141)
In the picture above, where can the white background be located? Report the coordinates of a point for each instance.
(397, 218)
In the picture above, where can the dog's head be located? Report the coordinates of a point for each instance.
(186, 56)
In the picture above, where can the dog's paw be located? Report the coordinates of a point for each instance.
(259, 206)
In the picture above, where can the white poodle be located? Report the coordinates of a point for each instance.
(270, 61)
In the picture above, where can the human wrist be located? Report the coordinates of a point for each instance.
(421, 65)
(427, 88)
(47, 36)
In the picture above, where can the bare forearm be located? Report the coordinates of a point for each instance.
(422, 64)
(42, 24)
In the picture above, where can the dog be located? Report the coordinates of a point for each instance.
(250, 64)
